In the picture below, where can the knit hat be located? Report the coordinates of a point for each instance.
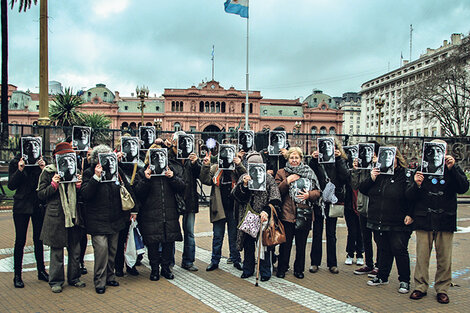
(63, 148)
(254, 157)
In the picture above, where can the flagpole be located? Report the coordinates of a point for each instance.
(247, 126)
(212, 62)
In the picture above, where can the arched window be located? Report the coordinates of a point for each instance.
(176, 126)
(212, 106)
(207, 106)
(173, 109)
(133, 125)
(181, 106)
(217, 107)
(243, 108)
(124, 125)
(201, 106)
(332, 131)
(251, 107)
(313, 130)
(223, 107)
(148, 124)
(323, 130)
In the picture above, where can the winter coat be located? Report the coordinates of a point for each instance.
(289, 207)
(435, 202)
(387, 202)
(102, 203)
(53, 233)
(158, 215)
(216, 206)
(190, 175)
(259, 201)
(337, 173)
(25, 200)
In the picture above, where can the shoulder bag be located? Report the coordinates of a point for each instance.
(274, 234)
(251, 222)
(126, 198)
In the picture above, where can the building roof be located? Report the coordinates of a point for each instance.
(317, 97)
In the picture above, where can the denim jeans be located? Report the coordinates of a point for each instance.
(189, 250)
(393, 245)
(218, 228)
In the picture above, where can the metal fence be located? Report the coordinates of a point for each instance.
(410, 147)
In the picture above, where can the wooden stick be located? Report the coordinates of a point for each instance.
(259, 251)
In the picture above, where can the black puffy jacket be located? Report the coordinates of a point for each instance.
(336, 172)
(435, 202)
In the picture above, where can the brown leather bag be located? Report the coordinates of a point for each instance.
(274, 233)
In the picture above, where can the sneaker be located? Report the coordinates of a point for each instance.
(229, 261)
(360, 261)
(363, 270)
(349, 260)
(404, 287)
(313, 269)
(56, 289)
(191, 268)
(376, 282)
(373, 273)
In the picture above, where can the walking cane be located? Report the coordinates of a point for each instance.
(259, 251)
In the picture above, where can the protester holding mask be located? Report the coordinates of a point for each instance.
(296, 210)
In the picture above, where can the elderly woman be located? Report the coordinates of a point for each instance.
(104, 218)
(389, 218)
(59, 229)
(259, 201)
(158, 214)
(299, 189)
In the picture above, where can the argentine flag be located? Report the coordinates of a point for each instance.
(239, 7)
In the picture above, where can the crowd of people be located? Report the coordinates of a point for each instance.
(380, 205)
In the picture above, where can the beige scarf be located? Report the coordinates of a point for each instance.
(68, 199)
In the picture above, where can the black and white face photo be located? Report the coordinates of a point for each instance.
(326, 150)
(434, 158)
(81, 137)
(386, 160)
(257, 172)
(110, 166)
(31, 150)
(277, 141)
(352, 152)
(130, 149)
(246, 140)
(300, 185)
(147, 135)
(185, 146)
(158, 159)
(67, 167)
(226, 156)
(366, 154)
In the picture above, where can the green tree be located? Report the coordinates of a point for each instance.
(23, 5)
(96, 120)
(64, 110)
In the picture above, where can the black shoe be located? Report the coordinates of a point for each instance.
(212, 267)
(167, 274)
(119, 273)
(238, 266)
(299, 275)
(18, 281)
(154, 275)
(83, 269)
(132, 271)
(139, 260)
(265, 278)
(100, 290)
(280, 274)
(112, 283)
(245, 275)
(42, 275)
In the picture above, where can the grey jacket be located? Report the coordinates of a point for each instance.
(358, 176)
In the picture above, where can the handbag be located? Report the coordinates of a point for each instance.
(126, 198)
(274, 234)
(303, 218)
(336, 210)
(251, 222)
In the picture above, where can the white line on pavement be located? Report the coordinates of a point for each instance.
(284, 288)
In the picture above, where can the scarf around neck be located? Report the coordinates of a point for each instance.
(305, 172)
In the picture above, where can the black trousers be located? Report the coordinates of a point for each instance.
(300, 236)
(122, 238)
(316, 252)
(163, 258)
(83, 245)
(354, 244)
(393, 244)
(21, 222)
(367, 240)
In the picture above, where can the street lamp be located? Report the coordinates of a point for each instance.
(379, 104)
(297, 126)
(142, 93)
(158, 124)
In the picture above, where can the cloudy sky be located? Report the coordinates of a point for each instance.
(295, 46)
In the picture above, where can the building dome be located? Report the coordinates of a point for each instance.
(100, 91)
(317, 97)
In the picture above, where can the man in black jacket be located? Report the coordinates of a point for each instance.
(24, 179)
(435, 220)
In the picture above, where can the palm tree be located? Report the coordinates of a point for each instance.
(23, 5)
(64, 110)
(99, 123)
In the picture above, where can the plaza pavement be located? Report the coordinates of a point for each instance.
(222, 290)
